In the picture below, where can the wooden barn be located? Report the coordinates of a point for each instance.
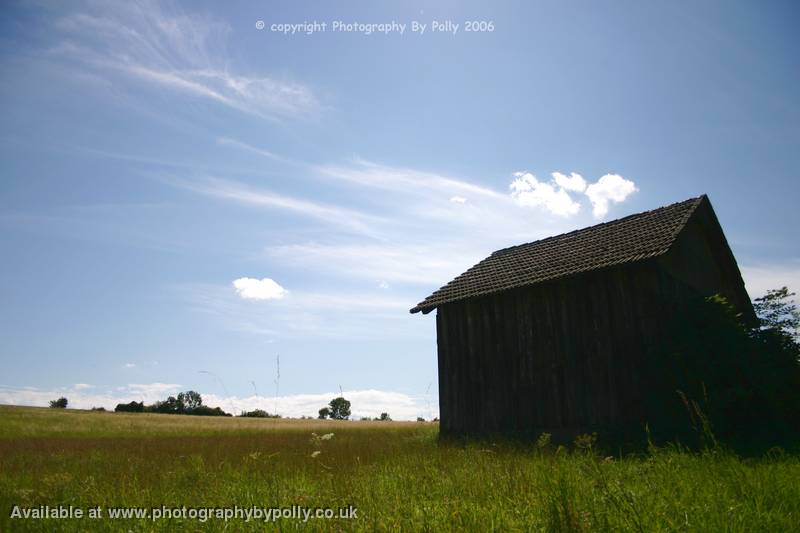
(552, 335)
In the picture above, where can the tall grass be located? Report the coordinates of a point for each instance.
(398, 475)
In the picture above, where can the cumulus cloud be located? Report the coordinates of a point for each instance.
(573, 182)
(554, 195)
(130, 365)
(364, 403)
(609, 188)
(259, 289)
(458, 200)
(528, 191)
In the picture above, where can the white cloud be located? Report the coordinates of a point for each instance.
(609, 188)
(553, 196)
(369, 402)
(83, 398)
(573, 182)
(528, 191)
(81, 386)
(458, 200)
(383, 285)
(130, 365)
(181, 52)
(259, 289)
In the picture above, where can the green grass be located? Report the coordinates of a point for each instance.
(397, 475)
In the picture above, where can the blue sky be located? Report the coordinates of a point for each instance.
(184, 196)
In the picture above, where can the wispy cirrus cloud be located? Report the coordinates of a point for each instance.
(185, 53)
(408, 181)
(242, 193)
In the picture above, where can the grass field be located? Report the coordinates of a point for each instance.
(397, 475)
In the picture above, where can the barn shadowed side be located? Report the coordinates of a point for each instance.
(553, 335)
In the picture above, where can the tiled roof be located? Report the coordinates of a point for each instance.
(625, 240)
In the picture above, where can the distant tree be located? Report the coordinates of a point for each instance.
(189, 400)
(324, 413)
(61, 403)
(99, 409)
(420, 419)
(776, 311)
(385, 417)
(339, 409)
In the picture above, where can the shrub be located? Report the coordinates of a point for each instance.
(258, 413)
(205, 410)
(132, 407)
(718, 374)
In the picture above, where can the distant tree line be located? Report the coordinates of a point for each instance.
(186, 403)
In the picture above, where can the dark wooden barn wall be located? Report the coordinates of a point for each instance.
(564, 354)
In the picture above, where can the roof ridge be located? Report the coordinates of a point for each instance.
(607, 223)
(632, 238)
